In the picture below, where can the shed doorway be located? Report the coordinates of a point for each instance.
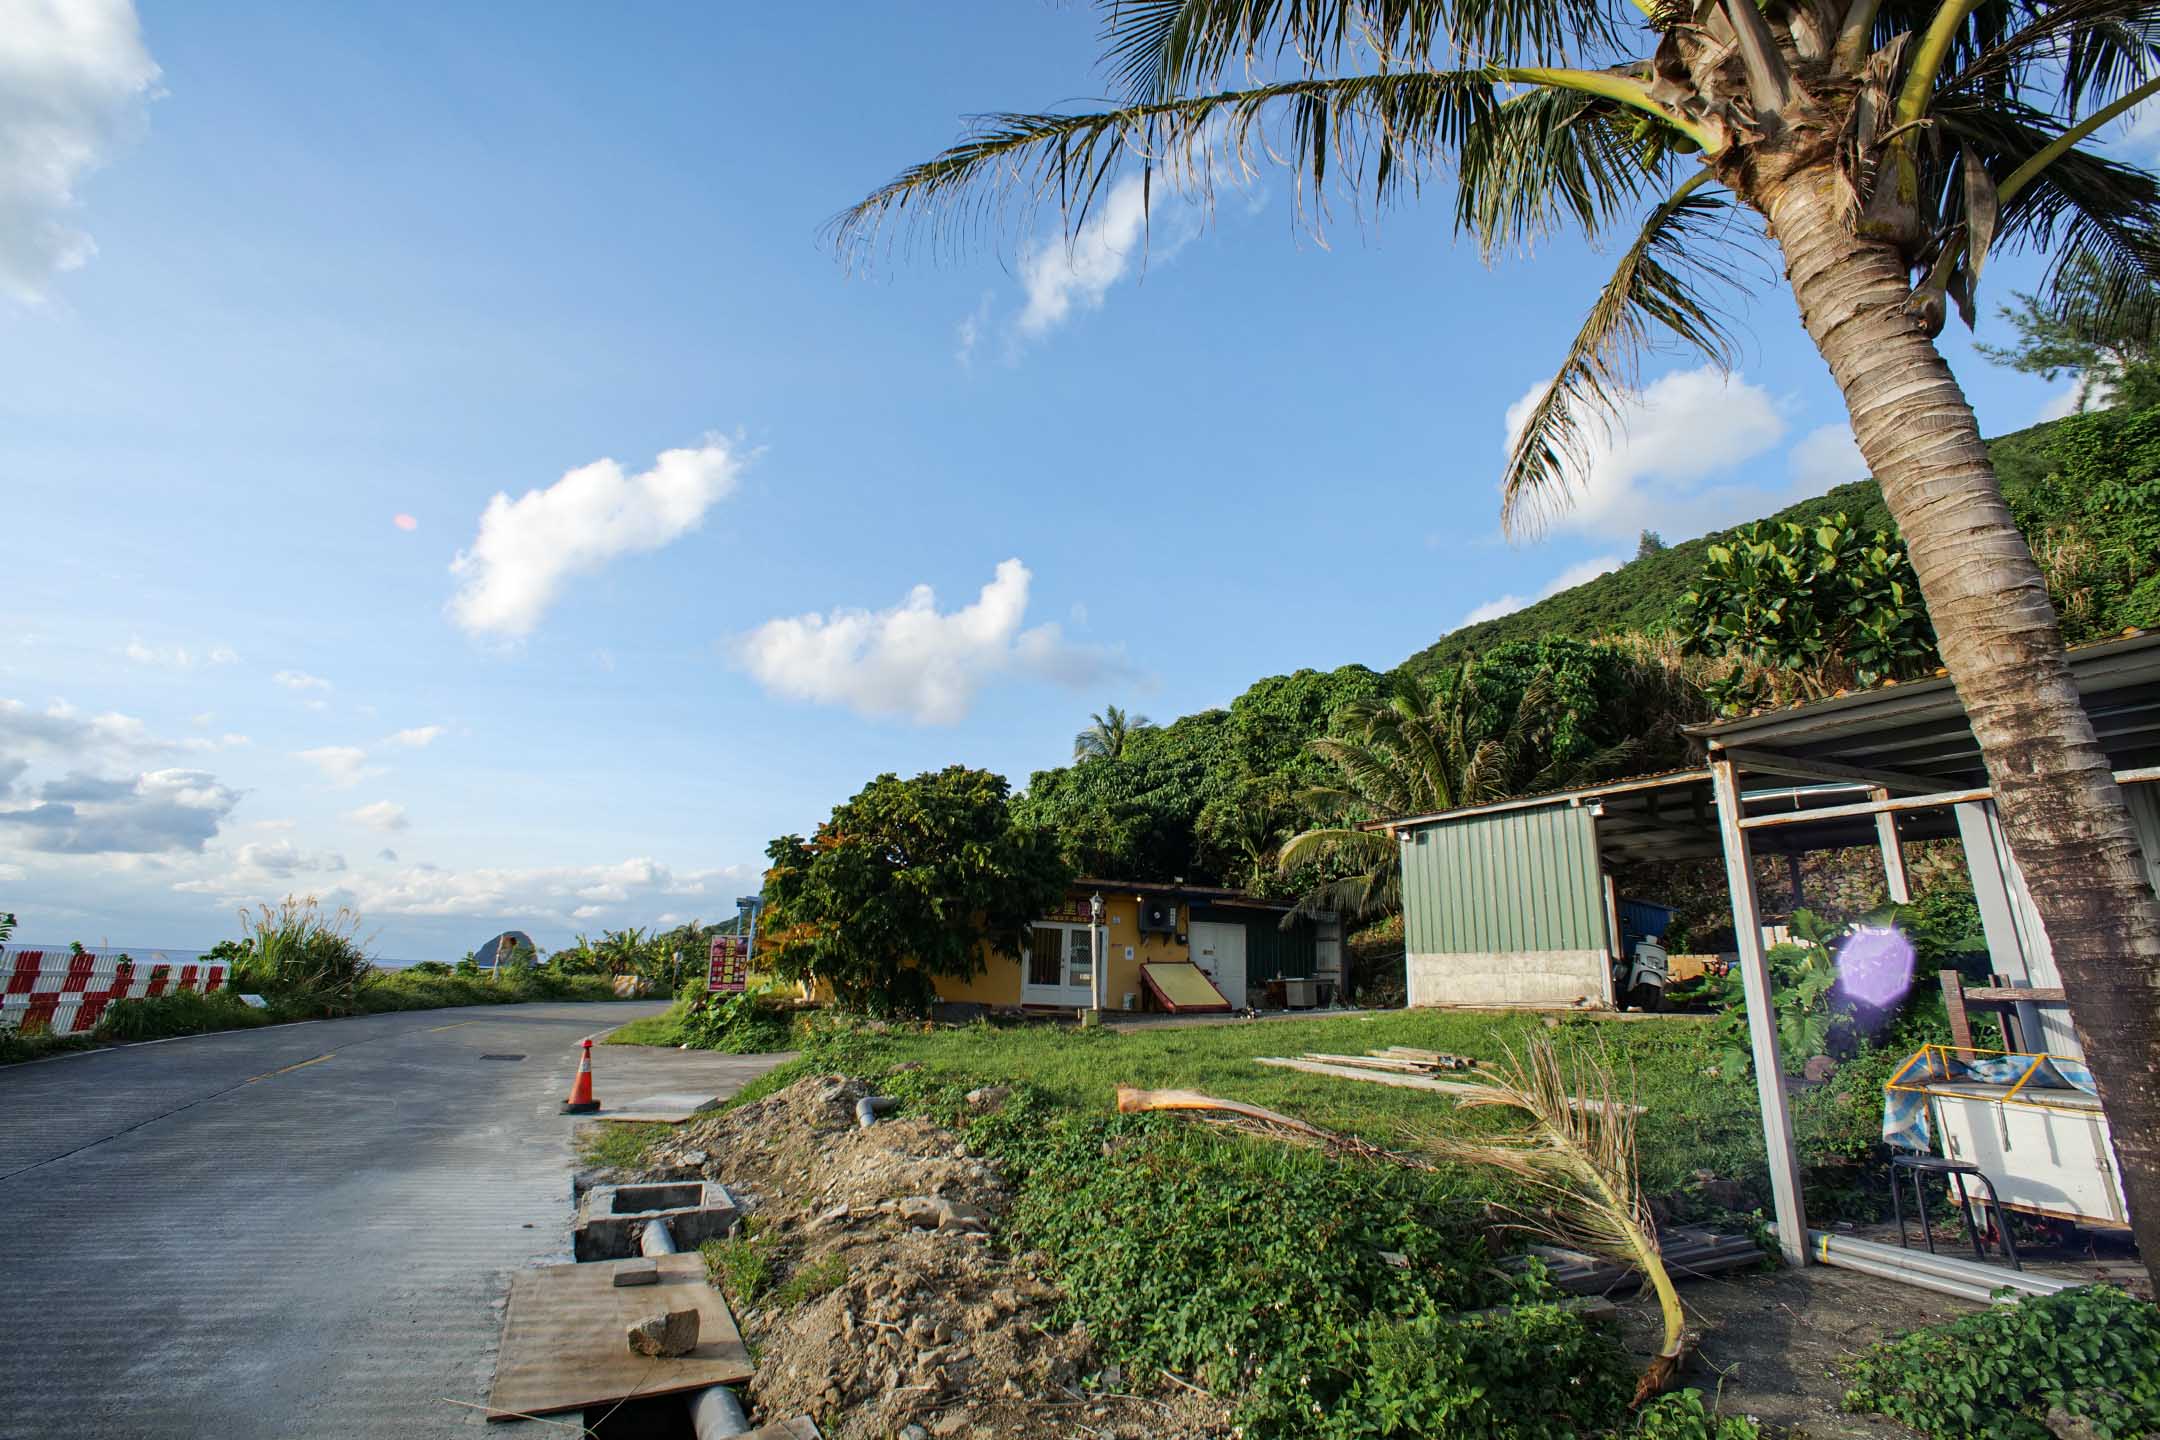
(1219, 951)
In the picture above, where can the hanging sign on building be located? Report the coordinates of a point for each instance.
(729, 972)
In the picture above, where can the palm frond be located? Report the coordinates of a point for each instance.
(2067, 54)
(1547, 158)
(1155, 48)
(1656, 283)
(1386, 130)
(2083, 209)
(1579, 1154)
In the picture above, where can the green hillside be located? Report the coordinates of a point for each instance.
(1210, 796)
(1640, 595)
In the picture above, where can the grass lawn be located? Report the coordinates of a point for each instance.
(664, 1029)
(1693, 1121)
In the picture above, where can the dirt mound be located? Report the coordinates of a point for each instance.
(886, 1304)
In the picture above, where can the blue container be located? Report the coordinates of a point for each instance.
(1640, 917)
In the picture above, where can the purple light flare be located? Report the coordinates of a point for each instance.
(1875, 966)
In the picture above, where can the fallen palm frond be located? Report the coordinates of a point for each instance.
(1580, 1154)
(1270, 1122)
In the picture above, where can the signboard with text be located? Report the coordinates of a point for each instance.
(729, 973)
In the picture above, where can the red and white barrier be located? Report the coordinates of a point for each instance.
(67, 994)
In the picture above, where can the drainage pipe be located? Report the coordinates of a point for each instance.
(870, 1107)
(715, 1413)
(1944, 1274)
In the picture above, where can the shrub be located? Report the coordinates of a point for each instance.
(1682, 1416)
(305, 955)
(1266, 1271)
(183, 1013)
(742, 1024)
(2093, 1352)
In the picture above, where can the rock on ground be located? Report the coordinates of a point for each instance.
(666, 1332)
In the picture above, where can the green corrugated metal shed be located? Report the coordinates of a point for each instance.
(1513, 880)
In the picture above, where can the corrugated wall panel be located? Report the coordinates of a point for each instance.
(1518, 880)
(2144, 799)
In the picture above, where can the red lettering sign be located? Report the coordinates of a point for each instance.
(729, 969)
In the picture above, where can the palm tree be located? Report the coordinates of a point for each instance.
(1409, 750)
(1109, 734)
(1886, 148)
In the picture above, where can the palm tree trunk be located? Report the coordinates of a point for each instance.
(2061, 811)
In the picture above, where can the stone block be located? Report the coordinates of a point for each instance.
(666, 1332)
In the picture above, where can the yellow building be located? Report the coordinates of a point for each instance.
(1239, 943)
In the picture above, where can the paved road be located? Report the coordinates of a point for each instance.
(299, 1231)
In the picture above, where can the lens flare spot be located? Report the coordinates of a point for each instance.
(1875, 966)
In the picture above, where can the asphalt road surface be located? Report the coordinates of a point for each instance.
(289, 1232)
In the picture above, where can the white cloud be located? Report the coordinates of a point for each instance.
(1580, 573)
(2066, 401)
(179, 657)
(1826, 456)
(300, 680)
(1061, 272)
(527, 548)
(342, 766)
(381, 815)
(913, 660)
(1645, 469)
(417, 738)
(74, 80)
(628, 888)
(143, 814)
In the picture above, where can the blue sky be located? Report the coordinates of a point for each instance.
(444, 471)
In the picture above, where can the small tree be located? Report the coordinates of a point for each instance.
(908, 881)
(1804, 611)
(1108, 733)
(1649, 543)
(2111, 345)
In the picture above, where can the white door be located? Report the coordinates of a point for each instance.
(1060, 968)
(1219, 951)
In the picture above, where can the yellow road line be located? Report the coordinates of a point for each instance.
(433, 1028)
(287, 1070)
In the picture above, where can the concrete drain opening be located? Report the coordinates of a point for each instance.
(644, 1199)
(612, 1217)
(502, 1057)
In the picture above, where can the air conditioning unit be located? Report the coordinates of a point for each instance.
(1158, 916)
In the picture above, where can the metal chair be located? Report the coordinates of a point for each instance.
(1953, 1173)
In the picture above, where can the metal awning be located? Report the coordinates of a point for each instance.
(1913, 738)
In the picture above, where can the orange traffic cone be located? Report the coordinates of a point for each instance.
(581, 1101)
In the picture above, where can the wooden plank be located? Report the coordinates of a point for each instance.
(1953, 988)
(1391, 1063)
(1378, 1077)
(1440, 1058)
(565, 1342)
(2015, 995)
(1385, 1077)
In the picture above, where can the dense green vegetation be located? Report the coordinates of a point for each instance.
(2090, 1356)
(1264, 1272)
(1615, 664)
(2047, 473)
(907, 881)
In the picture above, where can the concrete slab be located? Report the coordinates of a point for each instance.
(622, 1073)
(659, 1109)
(563, 1345)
